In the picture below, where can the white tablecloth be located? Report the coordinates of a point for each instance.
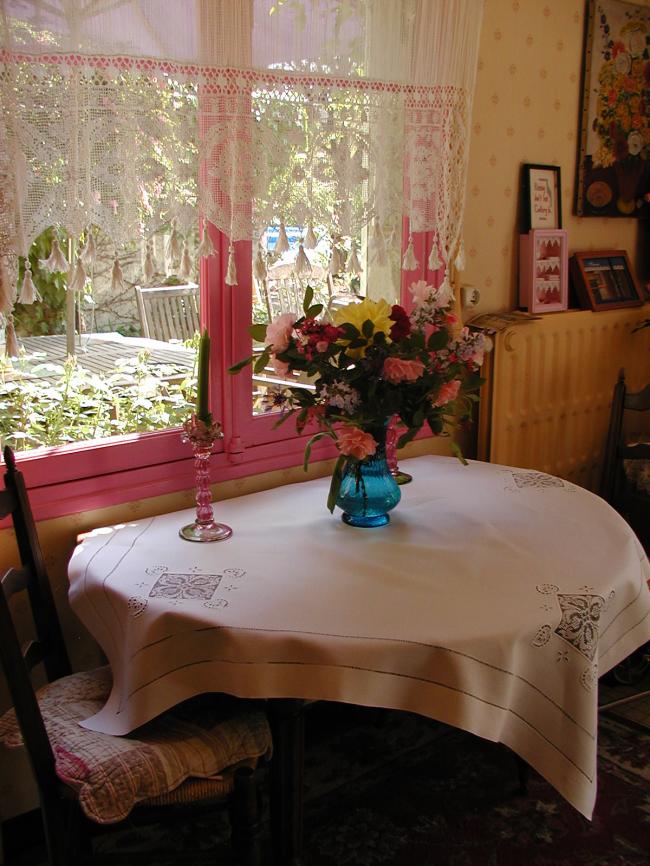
(493, 601)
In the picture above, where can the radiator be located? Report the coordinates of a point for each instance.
(546, 401)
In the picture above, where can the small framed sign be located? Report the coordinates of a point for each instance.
(541, 197)
(604, 280)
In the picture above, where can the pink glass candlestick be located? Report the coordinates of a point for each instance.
(202, 437)
(391, 453)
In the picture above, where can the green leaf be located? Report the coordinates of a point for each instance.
(335, 483)
(368, 328)
(309, 297)
(314, 439)
(262, 361)
(350, 331)
(240, 365)
(455, 450)
(258, 332)
(314, 311)
(438, 340)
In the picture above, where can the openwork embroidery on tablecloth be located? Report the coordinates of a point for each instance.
(579, 626)
(175, 585)
(536, 479)
(137, 605)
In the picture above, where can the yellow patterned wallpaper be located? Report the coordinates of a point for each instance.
(526, 109)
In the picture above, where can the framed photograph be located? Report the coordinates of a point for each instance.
(604, 280)
(541, 197)
(614, 141)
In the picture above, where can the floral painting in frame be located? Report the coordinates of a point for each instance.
(613, 160)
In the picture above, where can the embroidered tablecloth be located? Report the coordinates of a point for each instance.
(493, 601)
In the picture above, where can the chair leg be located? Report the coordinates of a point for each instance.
(287, 765)
(244, 818)
(55, 823)
(523, 774)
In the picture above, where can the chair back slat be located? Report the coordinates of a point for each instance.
(15, 580)
(169, 312)
(639, 401)
(33, 653)
(48, 629)
(7, 503)
(17, 674)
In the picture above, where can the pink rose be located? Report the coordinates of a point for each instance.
(278, 333)
(398, 370)
(447, 393)
(280, 368)
(355, 442)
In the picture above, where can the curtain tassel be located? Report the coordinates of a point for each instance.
(89, 252)
(335, 265)
(309, 241)
(302, 266)
(435, 262)
(445, 293)
(206, 247)
(186, 262)
(56, 261)
(409, 262)
(353, 265)
(11, 343)
(459, 263)
(28, 292)
(149, 265)
(259, 266)
(117, 277)
(282, 245)
(174, 246)
(231, 273)
(77, 277)
(378, 245)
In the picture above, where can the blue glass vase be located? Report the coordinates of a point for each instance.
(368, 489)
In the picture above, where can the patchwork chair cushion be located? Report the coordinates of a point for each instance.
(198, 738)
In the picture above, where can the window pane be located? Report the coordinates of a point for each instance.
(104, 350)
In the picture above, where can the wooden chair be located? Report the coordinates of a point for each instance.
(34, 722)
(169, 312)
(627, 458)
(626, 486)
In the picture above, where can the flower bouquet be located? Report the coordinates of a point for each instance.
(365, 364)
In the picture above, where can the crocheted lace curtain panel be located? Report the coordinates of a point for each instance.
(131, 115)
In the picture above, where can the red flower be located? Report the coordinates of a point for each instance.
(402, 326)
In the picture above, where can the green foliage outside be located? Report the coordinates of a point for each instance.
(46, 316)
(75, 405)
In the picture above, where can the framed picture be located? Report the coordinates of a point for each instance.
(541, 197)
(614, 141)
(604, 280)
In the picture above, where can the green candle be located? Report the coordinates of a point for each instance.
(203, 371)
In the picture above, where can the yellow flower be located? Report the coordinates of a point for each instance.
(378, 312)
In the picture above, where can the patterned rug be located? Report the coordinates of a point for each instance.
(392, 789)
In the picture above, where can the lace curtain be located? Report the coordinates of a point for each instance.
(129, 116)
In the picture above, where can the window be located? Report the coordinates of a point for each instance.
(343, 126)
